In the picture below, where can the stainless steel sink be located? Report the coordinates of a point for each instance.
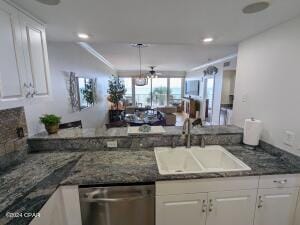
(181, 160)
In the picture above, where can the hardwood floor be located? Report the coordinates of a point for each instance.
(180, 117)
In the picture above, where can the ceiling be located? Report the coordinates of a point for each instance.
(175, 28)
(165, 56)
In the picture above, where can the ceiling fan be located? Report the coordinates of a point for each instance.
(152, 73)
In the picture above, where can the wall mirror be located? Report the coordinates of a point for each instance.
(86, 90)
(82, 92)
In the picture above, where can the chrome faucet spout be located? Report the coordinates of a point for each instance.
(186, 129)
(202, 144)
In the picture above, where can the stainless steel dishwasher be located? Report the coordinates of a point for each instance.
(118, 205)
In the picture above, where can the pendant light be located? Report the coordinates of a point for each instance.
(141, 80)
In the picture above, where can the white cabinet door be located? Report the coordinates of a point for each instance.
(231, 207)
(52, 212)
(63, 208)
(11, 58)
(36, 55)
(276, 206)
(184, 209)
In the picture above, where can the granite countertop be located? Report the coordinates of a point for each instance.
(74, 133)
(27, 187)
(114, 167)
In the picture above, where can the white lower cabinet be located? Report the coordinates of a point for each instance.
(276, 206)
(52, 211)
(187, 209)
(231, 207)
(265, 200)
(63, 208)
(215, 208)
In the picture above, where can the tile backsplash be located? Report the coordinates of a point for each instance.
(13, 135)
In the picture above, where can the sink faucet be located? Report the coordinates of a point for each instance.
(202, 144)
(186, 129)
(173, 145)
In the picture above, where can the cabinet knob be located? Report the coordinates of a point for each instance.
(260, 202)
(204, 206)
(280, 181)
(211, 205)
(30, 90)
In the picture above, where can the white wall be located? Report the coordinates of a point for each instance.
(64, 58)
(228, 85)
(268, 83)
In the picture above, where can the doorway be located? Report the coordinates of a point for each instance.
(209, 98)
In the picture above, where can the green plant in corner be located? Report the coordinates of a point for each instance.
(116, 90)
(51, 122)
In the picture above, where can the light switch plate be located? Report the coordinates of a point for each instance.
(112, 144)
(244, 98)
(289, 138)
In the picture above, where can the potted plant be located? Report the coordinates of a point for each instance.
(51, 123)
(116, 91)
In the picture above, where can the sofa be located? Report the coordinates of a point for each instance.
(168, 114)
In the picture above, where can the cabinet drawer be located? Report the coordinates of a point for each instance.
(205, 185)
(279, 181)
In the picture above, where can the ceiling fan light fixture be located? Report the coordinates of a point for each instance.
(152, 73)
(141, 80)
(139, 45)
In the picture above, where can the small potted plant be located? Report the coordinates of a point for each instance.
(51, 123)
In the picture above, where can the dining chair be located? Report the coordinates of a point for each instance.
(77, 123)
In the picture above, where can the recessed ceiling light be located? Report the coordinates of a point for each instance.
(49, 2)
(256, 7)
(83, 35)
(208, 40)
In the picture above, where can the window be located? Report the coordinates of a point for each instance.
(159, 91)
(155, 93)
(175, 90)
(128, 95)
(143, 95)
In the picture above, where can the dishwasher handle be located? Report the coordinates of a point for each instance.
(90, 197)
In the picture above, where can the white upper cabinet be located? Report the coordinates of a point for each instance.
(36, 55)
(231, 207)
(276, 206)
(24, 66)
(11, 59)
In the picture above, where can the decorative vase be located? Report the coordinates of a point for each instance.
(52, 129)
